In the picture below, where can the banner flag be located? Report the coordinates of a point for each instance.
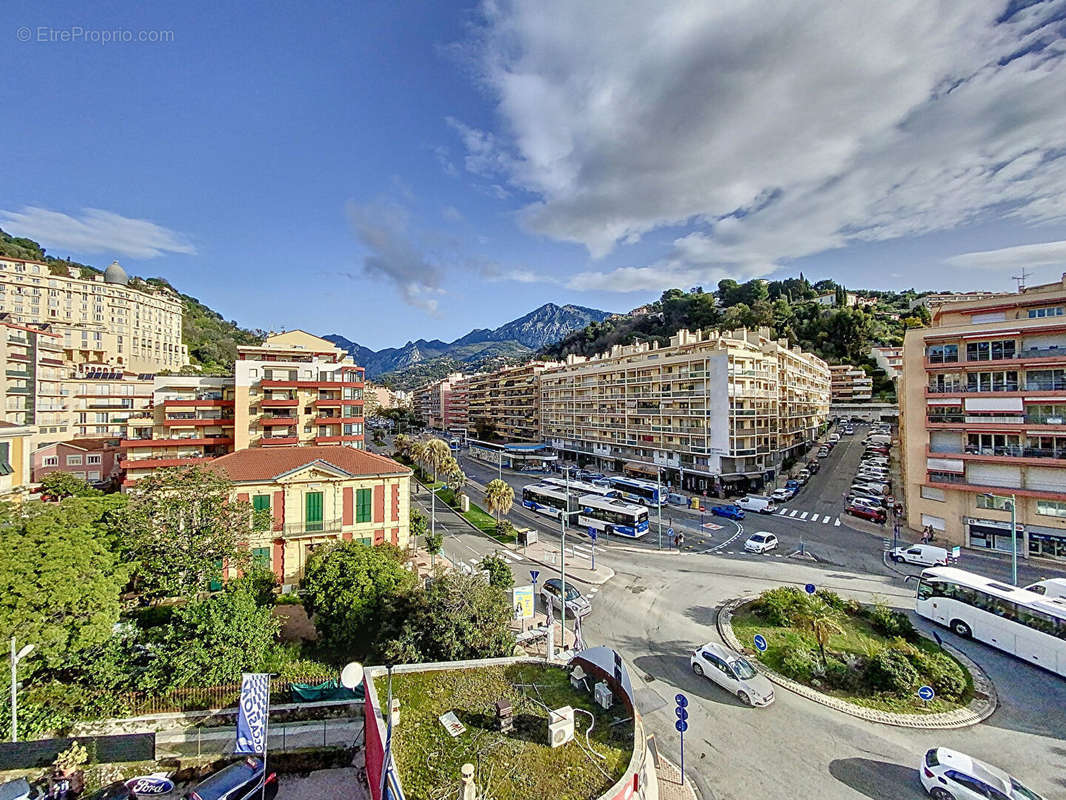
(253, 712)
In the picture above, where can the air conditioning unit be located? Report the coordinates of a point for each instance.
(577, 678)
(560, 726)
(602, 695)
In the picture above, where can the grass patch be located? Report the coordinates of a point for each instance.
(512, 766)
(476, 516)
(850, 653)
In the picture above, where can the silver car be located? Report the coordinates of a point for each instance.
(733, 673)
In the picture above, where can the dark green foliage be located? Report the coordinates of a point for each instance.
(941, 671)
(258, 581)
(799, 665)
(499, 571)
(892, 623)
(61, 484)
(891, 671)
(838, 675)
(781, 605)
(831, 599)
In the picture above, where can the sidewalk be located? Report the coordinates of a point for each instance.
(670, 787)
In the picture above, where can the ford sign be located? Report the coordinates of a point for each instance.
(150, 785)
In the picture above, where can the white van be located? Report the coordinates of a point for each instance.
(758, 503)
(878, 438)
(926, 555)
(1051, 588)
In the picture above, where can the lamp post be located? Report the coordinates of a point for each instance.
(1012, 499)
(16, 657)
(659, 505)
(563, 518)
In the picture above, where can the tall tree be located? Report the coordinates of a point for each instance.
(180, 529)
(499, 497)
(437, 455)
(60, 484)
(823, 621)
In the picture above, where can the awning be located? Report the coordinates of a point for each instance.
(646, 469)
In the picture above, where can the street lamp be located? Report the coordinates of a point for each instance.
(15, 659)
(1012, 500)
(659, 507)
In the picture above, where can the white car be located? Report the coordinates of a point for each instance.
(951, 775)
(762, 542)
(780, 495)
(733, 673)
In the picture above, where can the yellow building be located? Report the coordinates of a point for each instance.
(14, 459)
(983, 418)
(504, 405)
(101, 318)
(316, 495)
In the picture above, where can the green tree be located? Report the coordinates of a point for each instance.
(499, 497)
(259, 581)
(180, 528)
(499, 571)
(453, 476)
(346, 587)
(59, 580)
(60, 484)
(436, 455)
(823, 621)
(402, 444)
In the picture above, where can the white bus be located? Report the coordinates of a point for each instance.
(1018, 621)
(643, 492)
(548, 500)
(611, 515)
(580, 488)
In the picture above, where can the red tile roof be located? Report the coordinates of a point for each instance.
(92, 444)
(268, 463)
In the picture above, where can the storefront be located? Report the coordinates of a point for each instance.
(1047, 542)
(990, 534)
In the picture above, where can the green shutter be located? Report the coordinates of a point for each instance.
(215, 585)
(261, 556)
(362, 505)
(261, 502)
(313, 507)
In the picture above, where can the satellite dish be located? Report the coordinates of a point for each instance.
(352, 675)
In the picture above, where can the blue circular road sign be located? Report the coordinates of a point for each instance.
(681, 700)
(681, 725)
(682, 713)
(760, 643)
(926, 693)
(810, 588)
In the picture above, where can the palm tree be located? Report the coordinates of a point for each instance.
(417, 451)
(402, 443)
(499, 497)
(454, 477)
(437, 455)
(823, 621)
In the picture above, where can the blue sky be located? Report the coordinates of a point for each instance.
(399, 170)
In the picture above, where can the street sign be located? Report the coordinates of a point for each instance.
(926, 693)
(681, 700)
(681, 726)
(670, 532)
(809, 588)
(592, 533)
(681, 713)
(534, 574)
(522, 602)
(956, 551)
(760, 643)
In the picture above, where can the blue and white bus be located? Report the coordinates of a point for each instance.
(549, 500)
(579, 488)
(643, 492)
(611, 515)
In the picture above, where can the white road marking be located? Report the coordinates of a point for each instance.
(837, 523)
(825, 520)
(793, 513)
(783, 511)
(474, 561)
(803, 515)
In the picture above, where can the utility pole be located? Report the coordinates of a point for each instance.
(1013, 540)
(659, 505)
(16, 657)
(562, 564)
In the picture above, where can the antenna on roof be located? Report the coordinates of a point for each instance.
(1022, 278)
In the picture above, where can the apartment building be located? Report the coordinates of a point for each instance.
(294, 389)
(505, 405)
(100, 318)
(33, 370)
(849, 384)
(947, 298)
(982, 413)
(442, 404)
(318, 495)
(713, 410)
(93, 460)
(889, 359)
(15, 468)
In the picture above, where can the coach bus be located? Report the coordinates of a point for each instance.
(1020, 622)
(581, 488)
(548, 500)
(644, 492)
(612, 515)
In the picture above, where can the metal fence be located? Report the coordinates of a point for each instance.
(101, 749)
(202, 698)
(284, 737)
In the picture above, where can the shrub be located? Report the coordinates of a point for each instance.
(941, 672)
(831, 599)
(840, 676)
(799, 665)
(853, 608)
(891, 671)
(779, 606)
(892, 623)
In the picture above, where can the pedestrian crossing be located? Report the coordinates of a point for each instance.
(506, 555)
(808, 516)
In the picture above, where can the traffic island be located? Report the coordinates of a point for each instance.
(872, 663)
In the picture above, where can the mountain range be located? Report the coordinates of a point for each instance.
(420, 361)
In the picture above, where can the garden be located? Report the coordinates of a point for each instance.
(871, 656)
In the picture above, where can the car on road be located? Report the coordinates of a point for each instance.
(733, 673)
(926, 555)
(951, 775)
(731, 512)
(802, 479)
(576, 604)
(813, 466)
(782, 494)
(754, 502)
(244, 780)
(792, 484)
(823, 452)
(866, 512)
(761, 542)
(834, 437)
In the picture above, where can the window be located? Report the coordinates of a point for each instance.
(261, 502)
(73, 461)
(51, 461)
(942, 353)
(261, 555)
(1050, 311)
(5, 458)
(932, 493)
(313, 511)
(362, 505)
(94, 475)
(1051, 508)
(990, 351)
(96, 459)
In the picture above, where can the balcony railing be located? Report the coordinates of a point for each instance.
(959, 388)
(1045, 386)
(946, 477)
(988, 419)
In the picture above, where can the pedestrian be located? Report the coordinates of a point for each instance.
(680, 540)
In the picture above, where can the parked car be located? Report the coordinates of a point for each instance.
(245, 780)
(802, 479)
(834, 437)
(823, 452)
(926, 555)
(19, 789)
(576, 604)
(951, 775)
(731, 512)
(754, 502)
(792, 484)
(733, 673)
(781, 495)
(762, 542)
(865, 512)
(813, 466)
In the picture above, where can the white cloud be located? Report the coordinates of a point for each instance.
(1025, 255)
(452, 214)
(771, 132)
(95, 231)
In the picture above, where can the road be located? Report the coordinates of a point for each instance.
(660, 606)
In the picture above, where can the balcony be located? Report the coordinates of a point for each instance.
(323, 528)
(960, 389)
(177, 441)
(200, 402)
(338, 420)
(268, 441)
(286, 422)
(1046, 386)
(289, 402)
(338, 439)
(190, 422)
